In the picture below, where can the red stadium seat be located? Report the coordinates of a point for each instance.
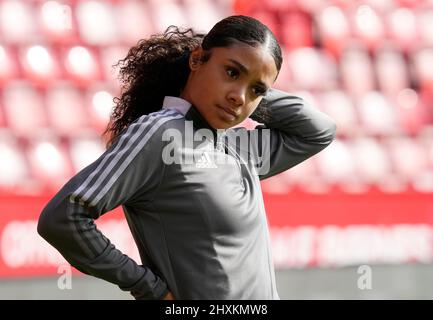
(81, 65)
(97, 23)
(13, 166)
(338, 105)
(133, 21)
(391, 71)
(203, 14)
(296, 30)
(413, 113)
(336, 163)
(24, 108)
(409, 158)
(357, 75)
(278, 5)
(425, 22)
(372, 161)
(368, 26)
(8, 65)
(306, 177)
(166, 13)
(269, 19)
(334, 29)
(109, 57)
(99, 103)
(404, 35)
(423, 68)
(57, 22)
(65, 107)
(84, 149)
(17, 22)
(377, 115)
(49, 161)
(312, 69)
(39, 64)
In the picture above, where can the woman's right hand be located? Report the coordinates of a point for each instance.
(169, 296)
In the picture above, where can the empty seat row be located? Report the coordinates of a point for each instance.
(392, 163)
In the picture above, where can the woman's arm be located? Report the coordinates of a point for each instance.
(292, 132)
(67, 222)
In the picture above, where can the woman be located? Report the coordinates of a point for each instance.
(189, 189)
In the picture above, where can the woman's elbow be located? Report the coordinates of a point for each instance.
(48, 224)
(332, 131)
(45, 225)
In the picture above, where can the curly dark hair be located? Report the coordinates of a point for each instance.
(152, 69)
(159, 66)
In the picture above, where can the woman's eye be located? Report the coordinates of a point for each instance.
(259, 91)
(232, 73)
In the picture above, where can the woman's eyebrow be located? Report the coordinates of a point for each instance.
(240, 66)
(245, 70)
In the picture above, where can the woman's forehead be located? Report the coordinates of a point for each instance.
(255, 60)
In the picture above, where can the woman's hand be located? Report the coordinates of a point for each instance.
(169, 296)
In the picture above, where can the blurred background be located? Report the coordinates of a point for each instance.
(353, 222)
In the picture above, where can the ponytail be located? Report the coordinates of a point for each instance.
(154, 68)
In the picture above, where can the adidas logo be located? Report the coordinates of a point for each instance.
(205, 161)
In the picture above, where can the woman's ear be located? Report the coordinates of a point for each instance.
(195, 58)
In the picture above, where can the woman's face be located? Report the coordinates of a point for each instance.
(229, 86)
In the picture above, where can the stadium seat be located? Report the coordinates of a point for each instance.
(203, 14)
(97, 23)
(99, 104)
(109, 56)
(84, 149)
(278, 5)
(425, 22)
(81, 65)
(65, 107)
(338, 105)
(24, 108)
(425, 139)
(8, 65)
(372, 161)
(336, 163)
(166, 13)
(423, 68)
(413, 113)
(13, 166)
(17, 22)
(404, 35)
(39, 64)
(377, 115)
(57, 22)
(305, 176)
(334, 30)
(48, 158)
(134, 22)
(311, 69)
(271, 20)
(357, 74)
(391, 71)
(368, 26)
(409, 158)
(296, 30)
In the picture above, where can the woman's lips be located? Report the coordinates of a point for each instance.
(227, 113)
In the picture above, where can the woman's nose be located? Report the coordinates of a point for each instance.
(236, 96)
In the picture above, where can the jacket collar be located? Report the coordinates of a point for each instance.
(188, 110)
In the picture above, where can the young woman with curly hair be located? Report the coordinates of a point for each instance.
(187, 178)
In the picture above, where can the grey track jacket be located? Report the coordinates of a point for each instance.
(200, 226)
